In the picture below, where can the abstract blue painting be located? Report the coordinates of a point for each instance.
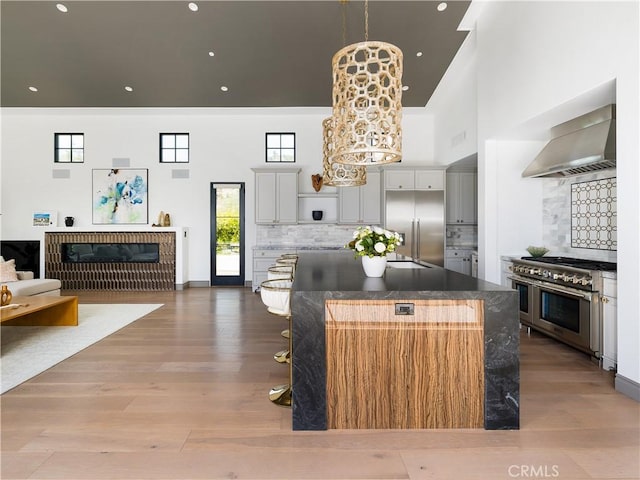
(120, 196)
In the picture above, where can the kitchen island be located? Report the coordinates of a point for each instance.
(340, 316)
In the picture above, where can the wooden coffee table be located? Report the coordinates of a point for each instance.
(43, 311)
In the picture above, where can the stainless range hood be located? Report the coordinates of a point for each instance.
(582, 145)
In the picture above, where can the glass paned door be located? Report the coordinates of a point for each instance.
(227, 234)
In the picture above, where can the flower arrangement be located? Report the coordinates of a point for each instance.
(373, 242)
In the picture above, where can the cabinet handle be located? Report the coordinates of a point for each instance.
(605, 300)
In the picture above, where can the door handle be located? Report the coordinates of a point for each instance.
(413, 238)
(418, 240)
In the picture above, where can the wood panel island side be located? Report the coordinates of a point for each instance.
(417, 348)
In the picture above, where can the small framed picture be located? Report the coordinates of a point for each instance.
(45, 219)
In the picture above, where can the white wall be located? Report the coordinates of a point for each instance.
(535, 57)
(225, 144)
(538, 64)
(454, 107)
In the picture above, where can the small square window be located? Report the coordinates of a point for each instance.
(281, 147)
(174, 148)
(68, 147)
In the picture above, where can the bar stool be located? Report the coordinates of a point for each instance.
(288, 261)
(281, 272)
(276, 295)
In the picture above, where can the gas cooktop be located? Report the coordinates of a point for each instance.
(575, 263)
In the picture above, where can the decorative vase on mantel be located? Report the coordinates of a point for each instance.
(374, 266)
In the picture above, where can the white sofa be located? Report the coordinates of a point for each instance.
(27, 286)
(22, 284)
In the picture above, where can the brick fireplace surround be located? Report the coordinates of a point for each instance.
(112, 275)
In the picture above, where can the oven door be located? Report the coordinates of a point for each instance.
(566, 314)
(526, 303)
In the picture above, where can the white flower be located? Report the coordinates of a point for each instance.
(378, 230)
(388, 234)
(379, 247)
(359, 246)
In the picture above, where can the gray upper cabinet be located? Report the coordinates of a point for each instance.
(362, 204)
(413, 179)
(276, 195)
(462, 198)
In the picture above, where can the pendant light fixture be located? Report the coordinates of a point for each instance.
(338, 174)
(367, 102)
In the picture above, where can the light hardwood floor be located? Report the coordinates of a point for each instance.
(182, 394)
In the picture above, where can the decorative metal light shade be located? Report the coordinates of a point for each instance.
(367, 104)
(338, 174)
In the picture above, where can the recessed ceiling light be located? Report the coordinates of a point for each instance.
(405, 88)
(62, 7)
(33, 89)
(442, 6)
(128, 88)
(224, 88)
(418, 54)
(193, 6)
(211, 54)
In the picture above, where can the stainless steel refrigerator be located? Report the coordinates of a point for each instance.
(418, 215)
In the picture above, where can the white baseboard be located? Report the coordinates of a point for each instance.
(628, 387)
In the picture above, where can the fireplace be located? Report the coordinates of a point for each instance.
(140, 261)
(26, 253)
(75, 252)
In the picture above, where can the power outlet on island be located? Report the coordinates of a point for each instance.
(405, 309)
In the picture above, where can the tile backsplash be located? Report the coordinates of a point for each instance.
(594, 215)
(462, 236)
(557, 215)
(305, 235)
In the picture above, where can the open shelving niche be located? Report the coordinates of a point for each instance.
(327, 202)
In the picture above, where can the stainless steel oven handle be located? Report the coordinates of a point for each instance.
(566, 290)
(527, 281)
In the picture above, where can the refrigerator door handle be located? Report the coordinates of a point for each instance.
(413, 238)
(417, 257)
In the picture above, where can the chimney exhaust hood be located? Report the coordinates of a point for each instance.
(582, 145)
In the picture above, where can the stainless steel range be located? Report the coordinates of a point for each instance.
(560, 297)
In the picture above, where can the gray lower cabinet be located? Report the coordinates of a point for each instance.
(609, 315)
(262, 260)
(458, 261)
(362, 204)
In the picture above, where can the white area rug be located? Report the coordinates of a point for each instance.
(28, 351)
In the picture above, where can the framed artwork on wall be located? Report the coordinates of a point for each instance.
(120, 196)
(45, 219)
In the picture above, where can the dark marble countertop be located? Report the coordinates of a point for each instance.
(340, 271)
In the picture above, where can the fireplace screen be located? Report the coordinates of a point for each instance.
(110, 252)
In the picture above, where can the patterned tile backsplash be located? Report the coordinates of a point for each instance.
(559, 235)
(593, 214)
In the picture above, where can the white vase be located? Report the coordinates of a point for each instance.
(374, 266)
